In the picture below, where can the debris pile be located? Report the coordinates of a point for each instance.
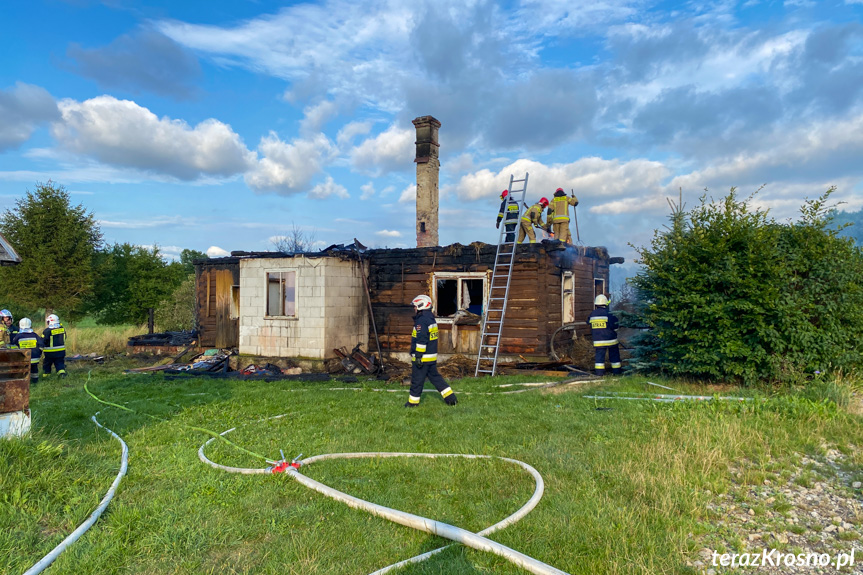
(357, 361)
(175, 338)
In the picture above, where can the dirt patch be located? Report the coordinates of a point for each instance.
(815, 508)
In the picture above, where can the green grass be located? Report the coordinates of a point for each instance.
(626, 489)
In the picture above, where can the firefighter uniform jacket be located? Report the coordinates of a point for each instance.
(603, 327)
(534, 216)
(508, 209)
(424, 337)
(560, 207)
(55, 341)
(29, 340)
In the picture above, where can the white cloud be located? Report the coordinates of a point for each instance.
(287, 168)
(327, 189)
(409, 194)
(389, 233)
(316, 116)
(592, 176)
(164, 221)
(351, 130)
(217, 252)
(23, 109)
(391, 150)
(368, 191)
(121, 132)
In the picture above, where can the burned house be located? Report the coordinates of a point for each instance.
(306, 305)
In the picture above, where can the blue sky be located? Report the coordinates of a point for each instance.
(219, 126)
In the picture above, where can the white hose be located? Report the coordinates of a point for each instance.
(43, 563)
(474, 540)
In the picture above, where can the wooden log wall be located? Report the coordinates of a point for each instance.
(533, 313)
(214, 280)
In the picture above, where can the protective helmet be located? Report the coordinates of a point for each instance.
(600, 300)
(543, 202)
(5, 313)
(52, 320)
(558, 190)
(422, 302)
(504, 194)
(25, 323)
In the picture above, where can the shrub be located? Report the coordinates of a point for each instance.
(729, 293)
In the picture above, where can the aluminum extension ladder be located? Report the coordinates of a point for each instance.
(498, 293)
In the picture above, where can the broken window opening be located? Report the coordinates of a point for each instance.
(567, 298)
(281, 294)
(459, 292)
(235, 302)
(598, 287)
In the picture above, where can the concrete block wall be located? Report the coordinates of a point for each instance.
(329, 311)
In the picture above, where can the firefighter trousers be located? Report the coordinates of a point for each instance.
(561, 232)
(613, 357)
(526, 229)
(422, 371)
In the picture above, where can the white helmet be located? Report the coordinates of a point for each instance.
(422, 302)
(25, 323)
(52, 320)
(600, 300)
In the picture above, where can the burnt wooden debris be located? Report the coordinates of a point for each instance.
(14, 380)
(214, 285)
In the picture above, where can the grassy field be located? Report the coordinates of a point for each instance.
(628, 483)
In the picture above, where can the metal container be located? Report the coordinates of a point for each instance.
(14, 392)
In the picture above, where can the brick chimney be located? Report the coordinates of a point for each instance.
(428, 168)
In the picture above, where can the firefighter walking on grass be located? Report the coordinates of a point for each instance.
(533, 218)
(54, 352)
(603, 331)
(560, 220)
(424, 354)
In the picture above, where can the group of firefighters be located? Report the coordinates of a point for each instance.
(556, 219)
(50, 347)
(602, 323)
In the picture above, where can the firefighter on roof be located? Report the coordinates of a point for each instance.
(54, 340)
(26, 338)
(603, 331)
(424, 354)
(559, 214)
(533, 218)
(508, 208)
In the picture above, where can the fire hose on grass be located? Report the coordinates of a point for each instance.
(431, 526)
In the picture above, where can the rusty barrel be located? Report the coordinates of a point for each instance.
(14, 391)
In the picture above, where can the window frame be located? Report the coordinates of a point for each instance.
(459, 277)
(282, 283)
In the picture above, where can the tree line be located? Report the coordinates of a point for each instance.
(68, 269)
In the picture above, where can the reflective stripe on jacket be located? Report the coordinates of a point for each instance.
(31, 341)
(561, 204)
(54, 339)
(424, 337)
(533, 215)
(603, 327)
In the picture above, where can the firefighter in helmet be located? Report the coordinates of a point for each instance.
(533, 218)
(26, 338)
(54, 352)
(559, 214)
(424, 354)
(603, 331)
(508, 210)
(7, 328)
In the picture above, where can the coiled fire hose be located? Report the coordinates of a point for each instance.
(457, 534)
(431, 526)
